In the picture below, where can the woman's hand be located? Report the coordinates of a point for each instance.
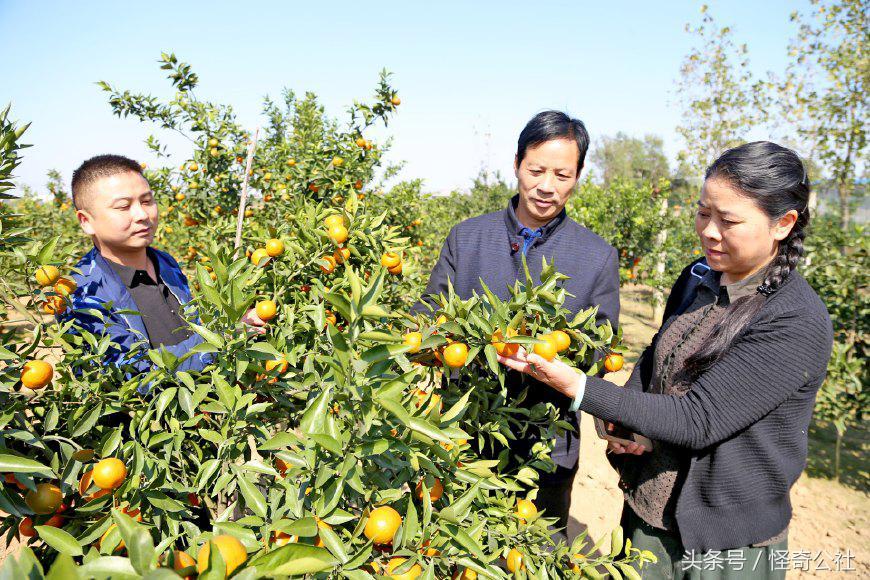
(630, 449)
(554, 373)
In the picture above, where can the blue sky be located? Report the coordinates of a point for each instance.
(470, 74)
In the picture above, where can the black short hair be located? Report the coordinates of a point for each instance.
(97, 168)
(549, 125)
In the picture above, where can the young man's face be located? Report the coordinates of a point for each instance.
(546, 178)
(120, 213)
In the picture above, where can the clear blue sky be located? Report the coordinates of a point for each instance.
(470, 74)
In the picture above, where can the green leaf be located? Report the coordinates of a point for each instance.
(15, 464)
(63, 568)
(60, 540)
(140, 546)
(253, 497)
(210, 337)
(294, 560)
(114, 567)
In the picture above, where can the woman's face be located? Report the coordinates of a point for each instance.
(737, 236)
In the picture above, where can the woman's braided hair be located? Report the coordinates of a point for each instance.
(775, 179)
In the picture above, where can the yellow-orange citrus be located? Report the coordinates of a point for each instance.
(547, 348)
(525, 510)
(46, 275)
(395, 270)
(45, 499)
(232, 551)
(282, 539)
(323, 526)
(121, 545)
(341, 254)
(266, 310)
(274, 247)
(109, 473)
(333, 220)
(258, 256)
(183, 562)
(54, 305)
(436, 490)
(337, 234)
(515, 561)
(390, 259)
(329, 267)
(505, 348)
(25, 528)
(382, 525)
(562, 340)
(413, 339)
(36, 374)
(65, 286)
(613, 362)
(455, 355)
(394, 563)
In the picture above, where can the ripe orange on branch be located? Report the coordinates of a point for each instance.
(333, 220)
(36, 374)
(259, 255)
(614, 362)
(337, 234)
(382, 524)
(266, 310)
(455, 355)
(505, 348)
(394, 563)
(436, 490)
(525, 510)
(109, 473)
(329, 267)
(65, 286)
(413, 339)
(47, 275)
(45, 499)
(232, 551)
(274, 247)
(390, 260)
(546, 349)
(562, 340)
(515, 560)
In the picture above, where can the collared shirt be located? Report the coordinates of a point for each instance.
(159, 308)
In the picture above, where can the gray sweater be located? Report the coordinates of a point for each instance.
(742, 424)
(488, 248)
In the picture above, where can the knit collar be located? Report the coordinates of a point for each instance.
(514, 227)
(746, 287)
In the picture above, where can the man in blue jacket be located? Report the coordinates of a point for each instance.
(550, 154)
(116, 208)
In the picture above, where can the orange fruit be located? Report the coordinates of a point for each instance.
(109, 473)
(337, 234)
(190, 221)
(179, 197)
(341, 254)
(45, 499)
(440, 320)
(46, 275)
(193, 167)
(394, 563)
(85, 482)
(614, 362)
(525, 510)
(337, 161)
(266, 310)
(36, 374)
(396, 270)
(436, 490)
(232, 551)
(360, 142)
(132, 512)
(413, 339)
(396, 101)
(282, 539)
(382, 525)
(193, 499)
(561, 339)
(65, 286)
(323, 526)
(333, 220)
(281, 364)
(455, 354)
(274, 247)
(12, 480)
(54, 305)
(25, 528)
(515, 561)
(181, 561)
(466, 574)
(121, 545)
(390, 260)
(505, 348)
(546, 349)
(55, 521)
(329, 268)
(258, 256)
(358, 184)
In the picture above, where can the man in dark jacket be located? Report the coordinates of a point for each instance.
(550, 153)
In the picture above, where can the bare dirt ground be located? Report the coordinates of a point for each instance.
(829, 518)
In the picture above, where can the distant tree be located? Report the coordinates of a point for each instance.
(721, 99)
(824, 92)
(630, 158)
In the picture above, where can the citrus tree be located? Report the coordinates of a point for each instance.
(351, 439)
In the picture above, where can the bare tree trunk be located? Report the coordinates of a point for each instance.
(661, 238)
